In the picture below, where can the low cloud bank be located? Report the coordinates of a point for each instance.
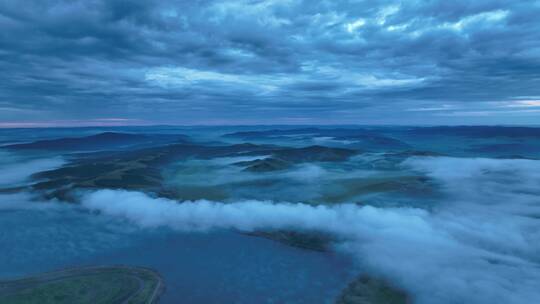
(480, 245)
(16, 169)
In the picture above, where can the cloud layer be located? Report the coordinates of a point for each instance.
(16, 169)
(279, 61)
(469, 248)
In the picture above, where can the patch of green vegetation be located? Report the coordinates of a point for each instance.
(352, 188)
(130, 170)
(313, 154)
(85, 285)
(99, 173)
(141, 169)
(367, 290)
(194, 192)
(264, 165)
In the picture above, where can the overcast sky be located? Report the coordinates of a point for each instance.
(108, 62)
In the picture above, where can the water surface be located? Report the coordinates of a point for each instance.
(199, 267)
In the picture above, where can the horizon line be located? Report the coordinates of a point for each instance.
(37, 126)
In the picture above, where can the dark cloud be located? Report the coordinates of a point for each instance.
(276, 61)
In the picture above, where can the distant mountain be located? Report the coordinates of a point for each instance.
(307, 154)
(477, 131)
(507, 150)
(314, 153)
(273, 133)
(339, 132)
(391, 160)
(284, 158)
(357, 138)
(264, 165)
(101, 141)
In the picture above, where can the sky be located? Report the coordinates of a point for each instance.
(236, 62)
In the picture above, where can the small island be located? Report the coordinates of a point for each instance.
(118, 284)
(369, 290)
